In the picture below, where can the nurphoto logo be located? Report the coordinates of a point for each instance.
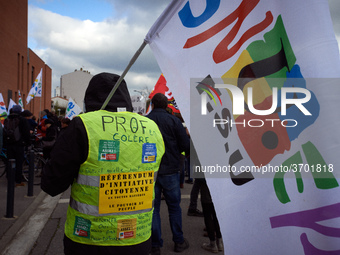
(240, 106)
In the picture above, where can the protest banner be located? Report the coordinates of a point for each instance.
(260, 78)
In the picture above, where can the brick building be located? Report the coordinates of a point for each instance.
(19, 65)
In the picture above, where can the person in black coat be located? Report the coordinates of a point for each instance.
(71, 151)
(176, 141)
(16, 149)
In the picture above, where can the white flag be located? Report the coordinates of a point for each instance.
(3, 111)
(72, 109)
(36, 88)
(20, 101)
(252, 81)
(10, 105)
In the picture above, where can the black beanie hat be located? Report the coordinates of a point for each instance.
(100, 87)
(26, 113)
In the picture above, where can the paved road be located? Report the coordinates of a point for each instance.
(37, 227)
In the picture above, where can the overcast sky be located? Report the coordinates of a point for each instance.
(102, 36)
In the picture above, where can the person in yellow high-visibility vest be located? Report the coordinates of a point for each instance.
(110, 158)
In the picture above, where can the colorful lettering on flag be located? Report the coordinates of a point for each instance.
(251, 66)
(72, 109)
(277, 156)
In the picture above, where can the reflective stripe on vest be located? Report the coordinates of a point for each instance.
(94, 180)
(112, 199)
(93, 210)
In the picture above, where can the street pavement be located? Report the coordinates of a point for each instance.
(37, 227)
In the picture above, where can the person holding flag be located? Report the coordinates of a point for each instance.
(110, 158)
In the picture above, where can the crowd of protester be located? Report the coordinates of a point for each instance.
(43, 133)
(40, 133)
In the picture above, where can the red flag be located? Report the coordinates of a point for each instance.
(161, 87)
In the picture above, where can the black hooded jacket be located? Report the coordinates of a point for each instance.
(71, 147)
(71, 150)
(175, 139)
(23, 127)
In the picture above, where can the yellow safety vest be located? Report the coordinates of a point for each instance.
(112, 199)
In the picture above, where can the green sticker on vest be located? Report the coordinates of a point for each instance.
(82, 227)
(108, 150)
(149, 153)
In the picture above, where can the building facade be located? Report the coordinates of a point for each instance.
(59, 105)
(19, 65)
(73, 85)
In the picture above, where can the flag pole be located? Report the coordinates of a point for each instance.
(40, 107)
(132, 61)
(41, 91)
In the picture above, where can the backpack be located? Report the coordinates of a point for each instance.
(11, 128)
